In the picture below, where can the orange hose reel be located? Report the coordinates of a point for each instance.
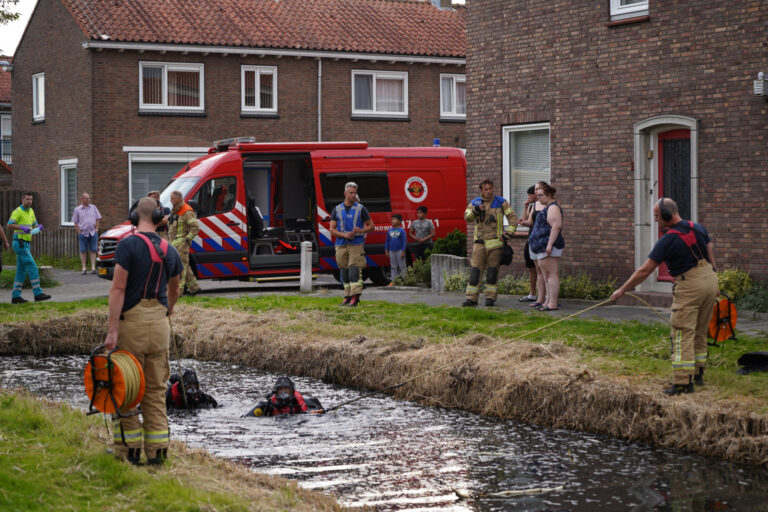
(113, 382)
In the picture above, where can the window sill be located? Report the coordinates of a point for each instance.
(172, 113)
(38, 121)
(461, 120)
(260, 115)
(357, 117)
(627, 21)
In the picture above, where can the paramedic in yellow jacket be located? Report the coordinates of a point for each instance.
(487, 212)
(183, 229)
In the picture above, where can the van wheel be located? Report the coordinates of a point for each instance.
(377, 275)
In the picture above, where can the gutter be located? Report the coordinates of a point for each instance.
(319, 100)
(263, 52)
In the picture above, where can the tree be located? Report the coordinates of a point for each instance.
(6, 15)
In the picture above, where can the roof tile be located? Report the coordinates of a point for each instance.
(401, 27)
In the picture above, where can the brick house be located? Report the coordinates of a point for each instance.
(6, 148)
(618, 102)
(114, 97)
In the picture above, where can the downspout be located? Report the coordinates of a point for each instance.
(319, 100)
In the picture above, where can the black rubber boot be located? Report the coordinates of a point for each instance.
(134, 456)
(698, 379)
(346, 300)
(18, 300)
(468, 304)
(354, 301)
(489, 303)
(161, 455)
(42, 296)
(678, 389)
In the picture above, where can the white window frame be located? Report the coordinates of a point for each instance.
(65, 165)
(38, 97)
(639, 9)
(454, 80)
(258, 70)
(506, 173)
(385, 75)
(181, 155)
(172, 66)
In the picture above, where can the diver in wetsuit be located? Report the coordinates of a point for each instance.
(195, 399)
(284, 399)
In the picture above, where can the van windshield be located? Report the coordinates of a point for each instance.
(183, 185)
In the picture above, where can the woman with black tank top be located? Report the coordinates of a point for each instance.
(531, 208)
(546, 245)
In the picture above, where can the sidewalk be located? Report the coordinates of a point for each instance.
(75, 286)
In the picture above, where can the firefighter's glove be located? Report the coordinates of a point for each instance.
(477, 211)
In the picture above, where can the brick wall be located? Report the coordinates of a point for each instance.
(51, 44)
(559, 62)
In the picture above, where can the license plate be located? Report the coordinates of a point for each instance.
(102, 271)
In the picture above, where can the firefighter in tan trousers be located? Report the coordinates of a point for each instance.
(141, 298)
(183, 229)
(689, 255)
(487, 212)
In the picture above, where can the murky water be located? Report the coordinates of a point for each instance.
(393, 455)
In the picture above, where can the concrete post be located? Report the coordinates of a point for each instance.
(305, 280)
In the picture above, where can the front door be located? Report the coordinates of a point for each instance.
(675, 176)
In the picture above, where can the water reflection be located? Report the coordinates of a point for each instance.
(393, 455)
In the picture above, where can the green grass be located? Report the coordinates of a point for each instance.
(68, 263)
(35, 312)
(7, 277)
(52, 458)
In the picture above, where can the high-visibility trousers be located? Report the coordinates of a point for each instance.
(351, 257)
(145, 333)
(25, 265)
(694, 294)
(483, 259)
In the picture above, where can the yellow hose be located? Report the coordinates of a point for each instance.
(131, 377)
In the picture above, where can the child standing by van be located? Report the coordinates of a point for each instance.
(423, 231)
(395, 246)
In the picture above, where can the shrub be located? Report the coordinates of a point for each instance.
(511, 285)
(454, 243)
(457, 282)
(756, 299)
(420, 274)
(581, 286)
(734, 282)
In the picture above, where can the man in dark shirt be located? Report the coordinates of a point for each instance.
(689, 255)
(144, 290)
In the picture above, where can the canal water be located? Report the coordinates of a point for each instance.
(395, 455)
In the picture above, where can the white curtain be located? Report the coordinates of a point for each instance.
(389, 95)
(461, 97)
(529, 161)
(152, 85)
(363, 92)
(446, 94)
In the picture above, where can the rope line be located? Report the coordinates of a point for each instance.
(494, 347)
(462, 359)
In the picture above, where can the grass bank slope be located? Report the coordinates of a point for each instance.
(54, 458)
(594, 376)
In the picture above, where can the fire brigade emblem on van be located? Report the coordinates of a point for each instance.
(416, 189)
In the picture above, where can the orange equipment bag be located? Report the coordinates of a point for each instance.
(113, 382)
(723, 322)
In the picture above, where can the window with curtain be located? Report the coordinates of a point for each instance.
(258, 88)
(526, 161)
(453, 96)
(68, 192)
(382, 93)
(167, 86)
(620, 8)
(38, 97)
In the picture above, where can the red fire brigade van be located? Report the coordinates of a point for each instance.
(256, 203)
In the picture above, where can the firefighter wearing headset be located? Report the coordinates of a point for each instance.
(487, 212)
(183, 229)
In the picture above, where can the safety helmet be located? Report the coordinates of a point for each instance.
(284, 382)
(189, 377)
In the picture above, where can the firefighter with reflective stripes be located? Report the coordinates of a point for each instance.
(487, 212)
(144, 290)
(183, 229)
(350, 222)
(689, 255)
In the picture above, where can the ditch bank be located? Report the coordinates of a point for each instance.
(541, 384)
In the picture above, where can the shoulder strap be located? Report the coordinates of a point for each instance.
(157, 259)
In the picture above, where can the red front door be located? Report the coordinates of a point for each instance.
(675, 177)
